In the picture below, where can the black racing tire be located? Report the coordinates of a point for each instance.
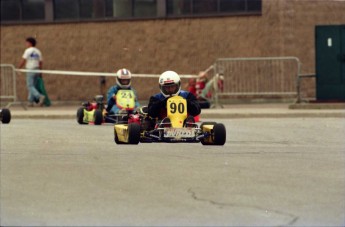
(133, 133)
(80, 115)
(5, 116)
(219, 137)
(98, 117)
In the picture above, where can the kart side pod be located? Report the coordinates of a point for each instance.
(127, 134)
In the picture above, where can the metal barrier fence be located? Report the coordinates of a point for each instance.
(266, 76)
(8, 92)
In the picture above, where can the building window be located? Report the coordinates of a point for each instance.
(145, 8)
(18, 11)
(212, 7)
(66, 9)
(179, 7)
(119, 8)
(240, 6)
(33, 10)
(205, 7)
(91, 9)
(131, 8)
(10, 10)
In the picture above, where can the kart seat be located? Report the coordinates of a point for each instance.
(99, 98)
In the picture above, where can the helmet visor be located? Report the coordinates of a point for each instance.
(124, 81)
(170, 89)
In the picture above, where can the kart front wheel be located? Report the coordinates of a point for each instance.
(5, 115)
(219, 136)
(80, 115)
(98, 116)
(133, 133)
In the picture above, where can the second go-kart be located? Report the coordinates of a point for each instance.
(5, 116)
(95, 112)
(177, 127)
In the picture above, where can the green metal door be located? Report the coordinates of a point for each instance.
(330, 62)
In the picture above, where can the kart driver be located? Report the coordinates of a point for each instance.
(170, 85)
(123, 81)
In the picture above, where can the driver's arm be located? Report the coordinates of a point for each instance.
(193, 107)
(154, 107)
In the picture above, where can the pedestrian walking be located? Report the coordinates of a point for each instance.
(32, 59)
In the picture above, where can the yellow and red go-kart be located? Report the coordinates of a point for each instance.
(94, 112)
(175, 129)
(5, 116)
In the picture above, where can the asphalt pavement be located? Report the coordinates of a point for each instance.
(260, 110)
(270, 172)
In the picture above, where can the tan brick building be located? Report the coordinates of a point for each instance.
(186, 45)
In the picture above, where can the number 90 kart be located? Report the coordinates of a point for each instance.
(5, 116)
(174, 128)
(95, 113)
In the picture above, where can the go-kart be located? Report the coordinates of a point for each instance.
(174, 128)
(95, 112)
(5, 116)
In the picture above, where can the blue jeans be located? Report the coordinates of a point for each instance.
(31, 81)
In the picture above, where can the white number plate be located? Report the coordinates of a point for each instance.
(179, 132)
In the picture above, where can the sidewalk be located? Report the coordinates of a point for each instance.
(229, 111)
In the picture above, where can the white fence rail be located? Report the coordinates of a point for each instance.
(77, 73)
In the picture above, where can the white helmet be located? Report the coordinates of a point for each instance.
(123, 78)
(169, 83)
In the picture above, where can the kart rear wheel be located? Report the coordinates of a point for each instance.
(80, 115)
(133, 133)
(5, 116)
(98, 116)
(219, 136)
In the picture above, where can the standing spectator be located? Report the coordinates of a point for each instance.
(32, 59)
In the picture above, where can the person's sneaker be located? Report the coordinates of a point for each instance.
(41, 100)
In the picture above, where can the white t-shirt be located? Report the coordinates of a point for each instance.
(33, 56)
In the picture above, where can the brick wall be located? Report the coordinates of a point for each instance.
(285, 28)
